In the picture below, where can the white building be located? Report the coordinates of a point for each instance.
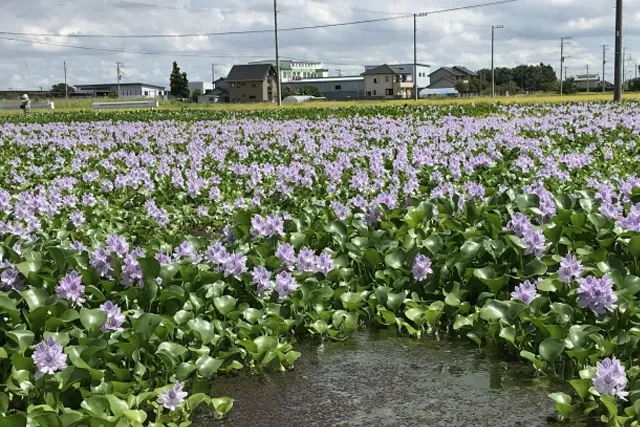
(423, 71)
(201, 86)
(297, 70)
(127, 90)
(332, 88)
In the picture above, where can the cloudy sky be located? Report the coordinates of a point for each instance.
(531, 34)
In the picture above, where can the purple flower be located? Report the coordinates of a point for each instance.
(163, 258)
(526, 292)
(611, 378)
(216, 254)
(274, 226)
(258, 226)
(285, 284)
(77, 218)
(324, 263)
(306, 260)
(101, 261)
(287, 254)
(10, 279)
(71, 288)
(49, 357)
(235, 265)
(261, 278)
(115, 318)
(535, 241)
(202, 211)
(186, 250)
(77, 246)
(519, 224)
(138, 252)
(341, 211)
(597, 294)
(117, 245)
(173, 397)
(570, 268)
(131, 272)
(421, 267)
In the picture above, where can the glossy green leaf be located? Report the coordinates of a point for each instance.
(395, 259)
(208, 366)
(225, 304)
(551, 348)
(92, 319)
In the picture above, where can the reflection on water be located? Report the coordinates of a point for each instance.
(380, 379)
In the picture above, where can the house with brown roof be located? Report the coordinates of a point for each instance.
(253, 83)
(447, 77)
(388, 82)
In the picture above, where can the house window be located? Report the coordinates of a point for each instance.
(254, 84)
(146, 93)
(374, 92)
(338, 87)
(243, 84)
(211, 98)
(375, 80)
(386, 79)
(252, 97)
(244, 95)
(388, 92)
(368, 93)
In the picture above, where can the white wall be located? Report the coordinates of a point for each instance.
(202, 86)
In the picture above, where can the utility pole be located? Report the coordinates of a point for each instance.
(624, 66)
(604, 63)
(562, 39)
(213, 74)
(493, 73)
(415, 52)
(617, 94)
(275, 25)
(66, 91)
(415, 57)
(118, 77)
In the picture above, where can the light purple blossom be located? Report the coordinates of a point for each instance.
(597, 294)
(49, 357)
(101, 261)
(202, 211)
(306, 261)
(261, 278)
(131, 272)
(115, 319)
(77, 246)
(570, 268)
(216, 254)
(235, 265)
(117, 245)
(11, 280)
(421, 267)
(274, 226)
(287, 254)
(173, 397)
(611, 378)
(186, 250)
(71, 288)
(285, 284)
(258, 226)
(526, 292)
(77, 218)
(324, 263)
(163, 258)
(535, 241)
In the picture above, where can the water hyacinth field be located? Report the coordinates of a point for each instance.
(145, 255)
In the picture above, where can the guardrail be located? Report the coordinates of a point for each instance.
(47, 106)
(124, 104)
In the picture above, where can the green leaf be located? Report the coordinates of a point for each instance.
(92, 320)
(551, 348)
(252, 315)
(433, 243)
(563, 398)
(150, 267)
(266, 343)
(351, 300)
(17, 420)
(222, 405)
(146, 324)
(29, 266)
(207, 366)
(395, 259)
(98, 406)
(581, 386)
(535, 268)
(135, 415)
(184, 370)
(337, 227)
(203, 328)
(225, 304)
(35, 298)
(372, 257)
(508, 333)
(610, 403)
(49, 420)
(23, 338)
(470, 249)
(59, 258)
(493, 310)
(634, 246)
(118, 406)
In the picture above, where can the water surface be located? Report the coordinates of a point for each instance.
(379, 379)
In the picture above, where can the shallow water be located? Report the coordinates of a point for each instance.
(379, 379)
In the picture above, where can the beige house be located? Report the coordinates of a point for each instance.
(388, 82)
(253, 83)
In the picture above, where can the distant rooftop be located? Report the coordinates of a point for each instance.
(327, 79)
(107, 85)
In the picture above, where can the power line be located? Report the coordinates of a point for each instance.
(379, 12)
(142, 52)
(188, 9)
(227, 33)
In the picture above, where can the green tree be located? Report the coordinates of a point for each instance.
(178, 82)
(569, 86)
(194, 96)
(634, 84)
(59, 88)
(309, 91)
(462, 87)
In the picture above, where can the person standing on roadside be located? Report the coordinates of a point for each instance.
(26, 104)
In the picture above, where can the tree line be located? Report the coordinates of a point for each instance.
(523, 78)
